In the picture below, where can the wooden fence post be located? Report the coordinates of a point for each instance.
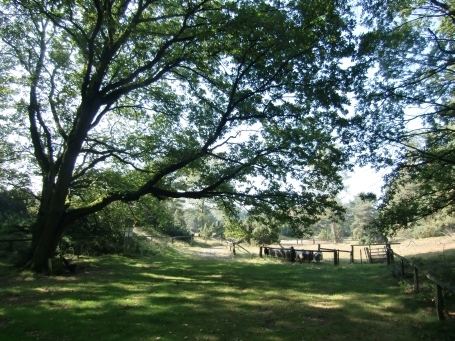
(352, 254)
(319, 247)
(438, 301)
(260, 251)
(391, 257)
(335, 257)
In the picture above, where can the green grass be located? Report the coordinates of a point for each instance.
(174, 297)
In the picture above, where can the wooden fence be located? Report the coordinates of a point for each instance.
(402, 264)
(232, 247)
(372, 255)
(336, 253)
(11, 241)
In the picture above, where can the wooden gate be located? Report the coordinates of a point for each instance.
(376, 255)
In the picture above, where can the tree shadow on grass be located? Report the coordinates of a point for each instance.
(178, 298)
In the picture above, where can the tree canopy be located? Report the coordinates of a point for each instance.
(243, 102)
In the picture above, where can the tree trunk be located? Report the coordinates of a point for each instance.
(50, 222)
(47, 232)
(44, 250)
(335, 239)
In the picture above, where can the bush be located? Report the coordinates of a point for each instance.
(18, 256)
(325, 235)
(263, 235)
(175, 231)
(143, 247)
(427, 231)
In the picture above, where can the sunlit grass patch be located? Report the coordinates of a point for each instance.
(181, 298)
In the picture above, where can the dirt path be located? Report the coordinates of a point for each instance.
(216, 252)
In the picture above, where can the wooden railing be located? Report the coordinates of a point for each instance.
(232, 247)
(335, 252)
(11, 241)
(191, 238)
(416, 270)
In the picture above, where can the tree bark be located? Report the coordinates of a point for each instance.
(51, 223)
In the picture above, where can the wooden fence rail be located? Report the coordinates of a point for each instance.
(336, 253)
(11, 241)
(438, 285)
(166, 237)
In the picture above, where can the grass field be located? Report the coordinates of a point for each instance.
(192, 295)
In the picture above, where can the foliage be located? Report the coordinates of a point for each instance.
(237, 229)
(325, 234)
(14, 213)
(198, 215)
(288, 232)
(174, 231)
(364, 211)
(215, 229)
(264, 235)
(407, 108)
(329, 226)
(142, 247)
(438, 224)
(103, 232)
(328, 229)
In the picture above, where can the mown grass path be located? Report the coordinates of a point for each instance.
(181, 298)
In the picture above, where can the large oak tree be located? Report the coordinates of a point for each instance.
(239, 101)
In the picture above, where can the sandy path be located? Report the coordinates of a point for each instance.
(216, 252)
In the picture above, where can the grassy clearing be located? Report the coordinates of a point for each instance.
(177, 297)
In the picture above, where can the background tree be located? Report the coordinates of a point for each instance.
(243, 102)
(198, 214)
(408, 107)
(330, 225)
(364, 211)
(327, 229)
(15, 213)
